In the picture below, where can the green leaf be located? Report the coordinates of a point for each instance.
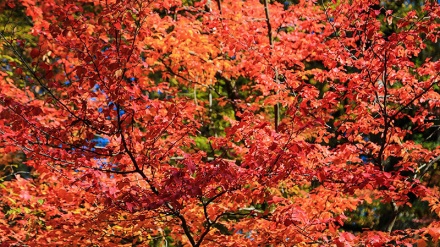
(222, 228)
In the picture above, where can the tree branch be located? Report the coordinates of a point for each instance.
(385, 116)
(150, 183)
(269, 35)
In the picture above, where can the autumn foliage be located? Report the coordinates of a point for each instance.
(218, 123)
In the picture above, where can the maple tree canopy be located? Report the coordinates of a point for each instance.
(218, 123)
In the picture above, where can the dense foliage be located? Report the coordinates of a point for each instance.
(219, 123)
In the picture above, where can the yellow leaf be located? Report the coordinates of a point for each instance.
(118, 73)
